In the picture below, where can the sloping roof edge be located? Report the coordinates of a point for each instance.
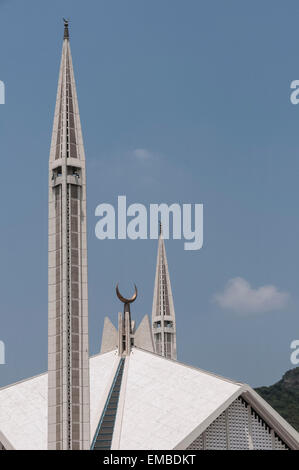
(282, 428)
(46, 372)
(5, 442)
(212, 374)
(206, 423)
(23, 380)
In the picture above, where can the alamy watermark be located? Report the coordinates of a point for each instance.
(2, 345)
(2, 353)
(187, 222)
(294, 98)
(295, 354)
(2, 92)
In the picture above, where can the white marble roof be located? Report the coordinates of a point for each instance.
(165, 401)
(23, 413)
(24, 407)
(163, 404)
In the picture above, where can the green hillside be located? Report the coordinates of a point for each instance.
(284, 396)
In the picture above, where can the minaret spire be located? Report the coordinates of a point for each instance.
(163, 314)
(68, 358)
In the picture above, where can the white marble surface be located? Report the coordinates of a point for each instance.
(24, 407)
(23, 413)
(165, 401)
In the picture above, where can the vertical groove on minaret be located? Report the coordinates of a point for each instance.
(163, 314)
(68, 368)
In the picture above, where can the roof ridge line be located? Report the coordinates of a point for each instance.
(101, 354)
(46, 372)
(23, 380)
(240, 384)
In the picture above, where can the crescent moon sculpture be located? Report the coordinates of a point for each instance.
(123, 299)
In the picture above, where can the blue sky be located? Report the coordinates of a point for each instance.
(203, 87)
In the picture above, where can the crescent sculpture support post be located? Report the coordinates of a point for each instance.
(125, 327)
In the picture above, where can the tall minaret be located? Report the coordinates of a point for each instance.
(163, 314)
(68, 361)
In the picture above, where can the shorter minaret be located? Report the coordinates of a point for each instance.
(163, 314)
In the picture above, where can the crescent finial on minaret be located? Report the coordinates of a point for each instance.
(123, 299)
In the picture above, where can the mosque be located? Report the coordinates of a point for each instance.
(134, 394)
